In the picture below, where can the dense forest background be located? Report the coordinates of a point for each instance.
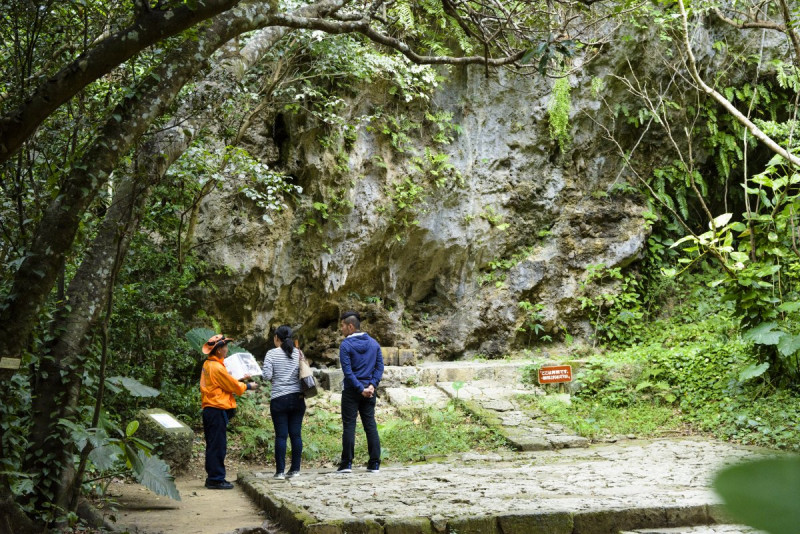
(122, 123)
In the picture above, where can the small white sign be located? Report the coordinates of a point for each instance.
(166, 420)
(9, 363)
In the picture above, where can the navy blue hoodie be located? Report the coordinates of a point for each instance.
(362, 361)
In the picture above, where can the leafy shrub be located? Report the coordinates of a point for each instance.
(702, 371)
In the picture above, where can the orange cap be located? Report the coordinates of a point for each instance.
(214, 341)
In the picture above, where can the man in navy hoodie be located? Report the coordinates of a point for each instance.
(362, 364)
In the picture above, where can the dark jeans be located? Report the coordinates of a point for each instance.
(287, 417)
(215, 427)
(353, 404)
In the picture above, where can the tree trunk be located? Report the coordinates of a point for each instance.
(58, 379)
(56, 232)
(57, 382)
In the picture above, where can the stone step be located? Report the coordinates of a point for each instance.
(633, 486)
(495, 404)
(429, 373)
(417, 397)
(702, 529)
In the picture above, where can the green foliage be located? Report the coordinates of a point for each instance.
(493, 218)
(407, 200)
(616, 312)
(113, 449)
(115, 384)
(532, 318)
(558, 112)
(695, 365)
(15, 428)
(497, 269)
(760, 271)
(762, 493)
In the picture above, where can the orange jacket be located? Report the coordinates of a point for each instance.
(217, 386)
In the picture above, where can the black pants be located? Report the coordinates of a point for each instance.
(287, 418)
(354, 404)
(215, 428)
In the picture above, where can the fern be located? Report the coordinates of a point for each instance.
(405, 15)
(683, 206)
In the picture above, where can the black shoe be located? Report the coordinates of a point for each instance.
(374, 467)
(345, 468)
(215, 484)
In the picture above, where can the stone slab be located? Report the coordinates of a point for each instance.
(702, 529)
(172, 438)
(562, 441)
(330, 379)
(406, 357)
(422, 396)
(622, 486)
(390, 356)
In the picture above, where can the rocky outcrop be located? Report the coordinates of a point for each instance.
(516, 219)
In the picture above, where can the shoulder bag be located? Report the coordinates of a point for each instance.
(307, 383)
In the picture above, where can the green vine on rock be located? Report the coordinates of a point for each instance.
(558, 113)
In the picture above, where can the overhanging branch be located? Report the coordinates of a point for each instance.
(364, 28)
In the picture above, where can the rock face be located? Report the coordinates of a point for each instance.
(516, 220)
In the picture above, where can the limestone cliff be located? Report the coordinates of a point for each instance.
(515, 219)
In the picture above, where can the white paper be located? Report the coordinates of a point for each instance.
(242, 364)
(166, 420)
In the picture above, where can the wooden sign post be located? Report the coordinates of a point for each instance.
(555, 374)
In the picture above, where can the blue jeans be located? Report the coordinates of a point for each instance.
(353, 404)
(287, 417)
(215, 428)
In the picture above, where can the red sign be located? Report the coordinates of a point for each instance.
(555, 374)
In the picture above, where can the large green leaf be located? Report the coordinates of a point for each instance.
(752, 371)
(134, 387)
(789, 344)
(105, 456)
(197, 337)
(154, 475)
(792, 306)
(764, 334)
(764, 494)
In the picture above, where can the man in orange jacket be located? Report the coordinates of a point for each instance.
(217, 390)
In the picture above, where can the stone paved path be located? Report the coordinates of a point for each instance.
(601, 489)
(557, 484)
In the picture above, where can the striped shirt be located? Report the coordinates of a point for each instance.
(283, 372)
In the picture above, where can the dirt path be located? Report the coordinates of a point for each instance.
(201, 511)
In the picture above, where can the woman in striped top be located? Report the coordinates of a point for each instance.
(287, 404)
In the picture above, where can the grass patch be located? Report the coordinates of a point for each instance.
(595, 420)
(687, 376)
(411, 435)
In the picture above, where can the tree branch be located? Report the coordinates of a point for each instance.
(150, 27)
(750, 24)
(363, 27)
(724, 102)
